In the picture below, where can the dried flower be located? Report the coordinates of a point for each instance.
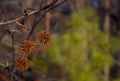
(23, 28)
(21, 63)
(44, 38)
(28, 46)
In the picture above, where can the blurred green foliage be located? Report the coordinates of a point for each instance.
(80, 54)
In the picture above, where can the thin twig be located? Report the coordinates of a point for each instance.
(51, 6)
(13, 54)
(42, 3)
(2, 16)
(31, 13)
(35, 24)
(17, 19)
(13, 47)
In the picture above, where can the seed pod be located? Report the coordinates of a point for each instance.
(45, 38)
(28, 46)
(21, 63)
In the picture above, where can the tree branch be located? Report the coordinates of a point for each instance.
(52, 5)
(17, 19)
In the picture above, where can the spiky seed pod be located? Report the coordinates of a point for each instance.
(21, 63)
(45, 38)
(28, 46)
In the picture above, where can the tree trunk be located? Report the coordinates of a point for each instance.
(106, 28)
(78, 4)
(47, 19)
(118, 55)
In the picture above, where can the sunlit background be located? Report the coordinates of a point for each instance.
(84, 46)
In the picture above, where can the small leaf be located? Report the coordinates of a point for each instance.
(1, 64)
(30, 9)
(14, 31)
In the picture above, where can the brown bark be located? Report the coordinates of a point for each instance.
(78, 4)
(47, 19)
(106, 27)
(118, 55)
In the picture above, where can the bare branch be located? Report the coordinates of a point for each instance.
(3, 16)
(17, 19)
(52, 5)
